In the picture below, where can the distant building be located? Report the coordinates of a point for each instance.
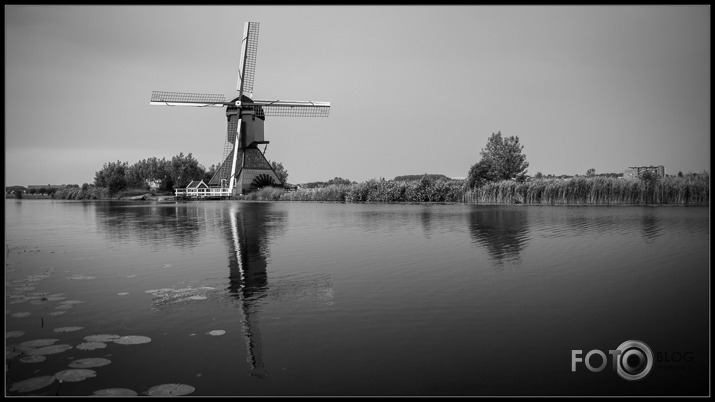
(635, 172)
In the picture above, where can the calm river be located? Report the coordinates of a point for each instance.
(223, 298)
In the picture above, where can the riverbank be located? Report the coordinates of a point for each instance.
(575, 191)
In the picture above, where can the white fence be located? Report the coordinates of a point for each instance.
(202, 193)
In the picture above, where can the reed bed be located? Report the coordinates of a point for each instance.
(86, 193)
(425, 190)
(687, 190)
(595, 191)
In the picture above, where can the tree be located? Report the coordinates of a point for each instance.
(339, 180)
(478, 174)
(210, 173)
(185, 169)
(538, 175)
(112, 176)
(281, 172)
(591, 172)
(502, 159)
(649, 176)
(420, 176)
(505, 158)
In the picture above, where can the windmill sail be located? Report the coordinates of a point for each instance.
(247, 63)
(186, 99)
(286, 108)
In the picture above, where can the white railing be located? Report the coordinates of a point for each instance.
(211, 192)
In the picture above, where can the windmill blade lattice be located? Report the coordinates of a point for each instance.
(247, 68)
(293, 109)
(187, 99)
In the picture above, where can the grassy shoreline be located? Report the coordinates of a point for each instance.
(576, 191)
(595, 191)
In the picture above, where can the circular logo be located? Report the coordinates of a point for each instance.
(635, 360)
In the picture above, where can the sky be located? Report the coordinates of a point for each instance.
(413, 89)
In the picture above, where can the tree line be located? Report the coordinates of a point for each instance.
(502, 162)
(161, 174)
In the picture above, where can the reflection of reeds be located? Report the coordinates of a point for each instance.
(595, 190)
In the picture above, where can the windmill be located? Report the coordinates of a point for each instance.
(244, 167)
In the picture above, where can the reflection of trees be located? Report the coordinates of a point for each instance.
(502, 231)
(650, 226)
(426, 219)
(250, 229)
(151, 224)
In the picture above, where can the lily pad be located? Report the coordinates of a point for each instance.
(101, 338)
(115, 392)
(162, 290)
(49, 350)
(72, 302)
(32, 384)
(33, 359)
(89, 362)
(67, 329)
(74, 375)
(170, 390)
(20, 314)
(37, 277)
(36, 343)
(132, 340)
(91, 345)
(80, 277)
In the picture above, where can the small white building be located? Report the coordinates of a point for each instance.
(197, 189)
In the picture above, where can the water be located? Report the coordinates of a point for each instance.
(358, 299)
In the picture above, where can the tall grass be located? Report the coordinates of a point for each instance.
(87, 193)
(99, 193)
(687, 190)
(425, 190)
(596, 191)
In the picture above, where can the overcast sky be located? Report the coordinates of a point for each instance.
(413, 89)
